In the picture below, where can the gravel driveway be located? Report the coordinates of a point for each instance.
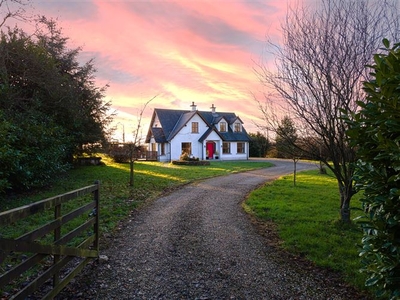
(197, 243)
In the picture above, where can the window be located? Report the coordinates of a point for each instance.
(226, 148)
(238, 127)
(241, 147)
(195, 127)
(187, 148)
(222, 126)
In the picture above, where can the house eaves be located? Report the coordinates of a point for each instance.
(208, 132)
(235, 136)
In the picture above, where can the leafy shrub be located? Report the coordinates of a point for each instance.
(32, 152)
(375, 131)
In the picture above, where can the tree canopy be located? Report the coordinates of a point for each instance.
(50, 106)
(259, 145)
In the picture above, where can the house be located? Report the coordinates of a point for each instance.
(202, 134)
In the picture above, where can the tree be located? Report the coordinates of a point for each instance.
(73, 98)
(123, 152)
(136, 141)
(286, 138)
(286, 143)
(259, 145)
(375, 132)
(319, 72)
(49, 106)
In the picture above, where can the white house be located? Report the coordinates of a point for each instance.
(202, 134)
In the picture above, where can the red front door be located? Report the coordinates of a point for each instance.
(210, 149)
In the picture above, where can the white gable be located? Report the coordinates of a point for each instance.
(156, 122)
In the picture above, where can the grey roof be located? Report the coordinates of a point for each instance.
(172, 121)
(184, 118)
(158, 134)
(207, 133)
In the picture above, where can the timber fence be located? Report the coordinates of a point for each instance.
(61, 235)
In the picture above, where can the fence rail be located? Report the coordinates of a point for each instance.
(53, 253)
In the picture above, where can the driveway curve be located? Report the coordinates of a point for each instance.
(197, 243)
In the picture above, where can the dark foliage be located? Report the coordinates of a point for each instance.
(375, 132)
(259, 145)
(50, 107)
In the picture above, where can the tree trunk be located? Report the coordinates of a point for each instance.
(131, 163)
(131, 172)
(294, 171)
(345, 207)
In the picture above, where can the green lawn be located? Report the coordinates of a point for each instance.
(307, 218)
(117, 198)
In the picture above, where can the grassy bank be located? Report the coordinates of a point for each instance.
(307, 218)
(117, 198)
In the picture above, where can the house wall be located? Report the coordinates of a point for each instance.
(167, 156)
(186, 136)
(157, 147)
(213, 137)
(234, 155)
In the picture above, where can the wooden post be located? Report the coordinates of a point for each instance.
(96, 225)
(57, 236)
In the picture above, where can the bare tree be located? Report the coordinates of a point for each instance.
(319, 69)
(13, 9)
(136, 140)
(286, 143)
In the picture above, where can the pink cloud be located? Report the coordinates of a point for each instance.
(183, 51)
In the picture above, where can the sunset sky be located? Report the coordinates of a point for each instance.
(183, 51)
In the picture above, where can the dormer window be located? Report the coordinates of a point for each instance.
(237, 127)
(222, 126)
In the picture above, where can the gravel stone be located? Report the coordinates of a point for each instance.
(197, 243)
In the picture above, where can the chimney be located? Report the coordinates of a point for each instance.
(193, 106)
(213, 108)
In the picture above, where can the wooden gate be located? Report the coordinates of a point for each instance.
(46, 258)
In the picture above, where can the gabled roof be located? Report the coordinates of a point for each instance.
(184, 118)
(172, 121)
(208, 132)
(158, 135)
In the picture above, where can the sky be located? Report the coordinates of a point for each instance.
(184, 51)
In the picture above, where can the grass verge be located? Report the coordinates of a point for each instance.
(307, 220)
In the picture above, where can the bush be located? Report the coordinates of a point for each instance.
(32, 153)
(119, 154)
(375, 132)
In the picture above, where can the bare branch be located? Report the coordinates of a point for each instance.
(15, 9)
(136, 132)
(320, 67)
